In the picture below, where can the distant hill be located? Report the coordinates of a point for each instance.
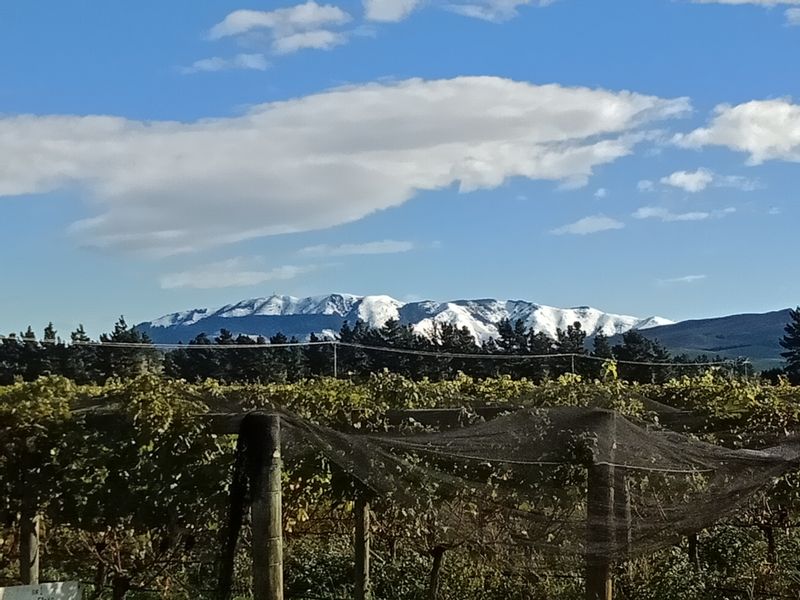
(754, 336)
(325, 315)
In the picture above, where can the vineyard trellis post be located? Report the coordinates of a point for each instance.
(600, 519)
(29, 530)
(266, 517)
(362, 540)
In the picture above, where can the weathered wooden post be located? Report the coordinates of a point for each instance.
(361, 514)
(29, 542)
(694, 557)
(266, 517)
(600, 532)
(623, 518)
(600, 517)
(436, 572)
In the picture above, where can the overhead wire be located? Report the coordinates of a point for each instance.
(366, 347)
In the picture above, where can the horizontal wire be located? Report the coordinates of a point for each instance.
(358, 346)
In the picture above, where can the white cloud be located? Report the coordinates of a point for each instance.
(302, 17)
(792, 17)
(389, 10)
(494, 10)
(663, 214)
(694, 181)
(601, 193)
(382, 247)
(697, 181)
(738, 182)
(645, 185)
(233, 272)
(655, 212)
(774, 210)
(217, 63)
(319, 39)
(765, 129)
(591, 224)
(753, 2)
(684, 279)
(290, 29)
(317, 161)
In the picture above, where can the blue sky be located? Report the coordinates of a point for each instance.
(640, 157)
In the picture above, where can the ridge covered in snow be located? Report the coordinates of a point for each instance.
(301, 317)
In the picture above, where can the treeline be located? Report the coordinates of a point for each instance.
(517, 351)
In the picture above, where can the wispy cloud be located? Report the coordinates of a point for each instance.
(684, 279)
(656, 212)
(389, 11)
(601, 193)
(308, 25)
(591, 224)
(767, 3)
(233, 272)
(494, 10)
(319, 39)
(645, 185)
(216, 63)
(699, 180)
(792, 17)
(382, 247)
(664, 214)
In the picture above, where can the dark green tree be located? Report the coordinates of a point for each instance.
(637, 348)
(319, 358)
(791, 343)
(9, 359)
(118, 359)
(602, 347)
(571, 341)
(81, 361)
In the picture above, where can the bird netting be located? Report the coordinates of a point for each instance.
(557, 484)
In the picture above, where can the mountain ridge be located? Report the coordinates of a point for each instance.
(325, 314)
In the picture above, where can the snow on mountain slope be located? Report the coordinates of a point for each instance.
(376, 310)
(316, 314)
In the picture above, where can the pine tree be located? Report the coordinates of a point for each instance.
(637, 348)
(81, 359)
(571, 341)
(319, 358)
(791, 342)
(122, 361)
(602, 348)
(52, 352)
(9, 359)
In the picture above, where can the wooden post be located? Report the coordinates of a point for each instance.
(266, 518)
(694, 558)
(600, 516)
(335, 361)
(436, 572)
(600, 532)
(361, 514)
(623, 519)
(29, 543)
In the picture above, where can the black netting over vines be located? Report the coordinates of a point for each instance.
(571, 483)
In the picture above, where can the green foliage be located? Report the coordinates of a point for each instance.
(132, 486)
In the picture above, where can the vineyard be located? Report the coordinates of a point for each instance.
(127, 488)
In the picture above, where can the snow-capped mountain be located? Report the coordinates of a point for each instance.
(325, 315)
